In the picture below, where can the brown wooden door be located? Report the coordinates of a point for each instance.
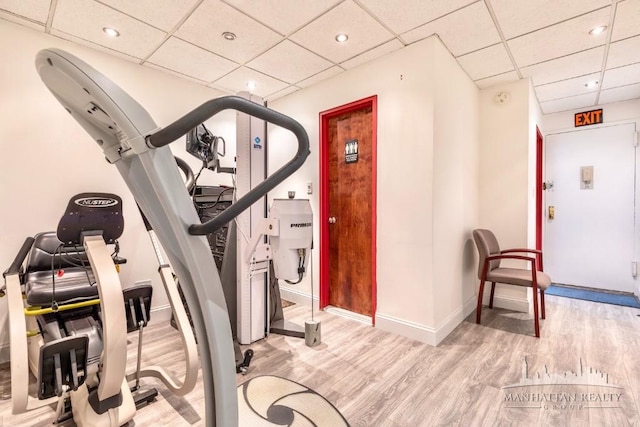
(350, 210)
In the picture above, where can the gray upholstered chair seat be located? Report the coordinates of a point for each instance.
(518, 277)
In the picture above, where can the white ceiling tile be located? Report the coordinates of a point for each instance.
(85, 20)
(236, 81)
(486, 62)
(193, 61)
(463, 31)
(104, 49)
(624, 52)
(411, 13)
(282, 93)
(283, 16)
(16, 19)
(320, 76)
(566, 88)
(206, 25)
(348, 18)
(35, 10)
(509, 77)
(289, 62)
(521, 17)
(175, 73)
(627, 20)
(162, 14)
(621, 76)
(618, 94)
(572, 103)
(559, 40)
(370, 55)
(586, 62)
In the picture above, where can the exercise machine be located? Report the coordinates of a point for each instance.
(69, 317)
(132, 142)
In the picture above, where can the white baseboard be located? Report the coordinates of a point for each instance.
(509, 302)
(422, 333)
(298, 297)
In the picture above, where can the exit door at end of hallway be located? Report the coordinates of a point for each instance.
(590, 200)
(348, 156)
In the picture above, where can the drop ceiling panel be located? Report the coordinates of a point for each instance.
(618, 94)
(486, 62)
(283, 16)
(509, 77)
(566, 104)
(545, 44)
(265, 85)
(348, 18)
(621, 76)
(463, 31)
(162, 14)
(411, 13)
(193, 61)
(16, 19)
(582, 63)
(370, 55)
(627, 22)
(207, 23)
(289, 62)
(34, 10)
(566, 88)
(521, 17)
(624, 52)
(323, 75)
(85, 19)
(283, 92)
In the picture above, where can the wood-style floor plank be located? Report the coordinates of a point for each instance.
(378, 379)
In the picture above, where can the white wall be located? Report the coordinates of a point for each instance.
(47, 157)
(507, 165)
(420, 145)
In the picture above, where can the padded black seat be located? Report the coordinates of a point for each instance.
(76, 282)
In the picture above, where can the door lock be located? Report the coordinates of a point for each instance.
(332, 220)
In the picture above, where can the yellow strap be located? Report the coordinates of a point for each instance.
(36, 311)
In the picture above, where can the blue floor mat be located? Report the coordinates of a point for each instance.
(595, 296)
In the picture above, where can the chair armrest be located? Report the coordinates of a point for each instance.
(533, 260)
(534, 251)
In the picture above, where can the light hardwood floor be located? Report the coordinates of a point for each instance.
(379, 379)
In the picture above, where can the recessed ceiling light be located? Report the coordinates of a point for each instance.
(111, 32)
(598, 30)
(228, 35)
(341, 38)
(591, 84)
(251, 85)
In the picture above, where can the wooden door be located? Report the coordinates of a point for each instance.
(350, 209)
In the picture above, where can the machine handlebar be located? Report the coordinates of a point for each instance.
(15, 266)
(209, 109)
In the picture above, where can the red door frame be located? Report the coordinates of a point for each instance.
(539, 185)
(325, 116)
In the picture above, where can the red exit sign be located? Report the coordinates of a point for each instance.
(586, 118)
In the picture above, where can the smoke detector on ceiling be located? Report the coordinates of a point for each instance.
(502, 98)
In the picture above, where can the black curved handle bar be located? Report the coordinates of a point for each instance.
(14, 268)
(210, 109)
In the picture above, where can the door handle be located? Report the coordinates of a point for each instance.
(332, 220)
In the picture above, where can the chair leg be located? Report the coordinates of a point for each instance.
(535, 313)
(480, 295)
(542, 302)
(493, 289)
